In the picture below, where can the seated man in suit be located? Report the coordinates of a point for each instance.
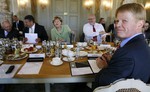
(92, 30)
(18, 24)
(111, 29)
(132, 59)
(7, 31)
(146, 28)
(32, 27)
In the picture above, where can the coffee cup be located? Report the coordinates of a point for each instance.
(56, 61)
(84, 44)
(79, 44)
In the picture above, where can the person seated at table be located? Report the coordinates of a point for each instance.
(92, 30)
(60, 32)
(102, 21)
(111, 29)
(7, 30)
(147, 30)
(18, 24)
(32, 27)
(132, 59)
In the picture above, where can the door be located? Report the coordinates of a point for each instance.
(69, 11)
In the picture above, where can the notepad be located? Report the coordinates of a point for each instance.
(31, 68)
(94, 66)
(80, 68)
(84, 68)
(4, 68)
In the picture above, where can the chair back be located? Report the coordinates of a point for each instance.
(128, 85)
(72, 38)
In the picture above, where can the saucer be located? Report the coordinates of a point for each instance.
(56, 64)
(66, 59)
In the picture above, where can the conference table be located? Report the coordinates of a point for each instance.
(47, 74)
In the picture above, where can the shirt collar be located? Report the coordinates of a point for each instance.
(128, 39)
(33, 26)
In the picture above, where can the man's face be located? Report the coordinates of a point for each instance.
(28, 23)
(92, 20)
(146, 26)
(126, 25)
(57, 23)
(15, 18)
(7, 26)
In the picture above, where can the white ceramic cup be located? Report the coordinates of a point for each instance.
(84, 44)
(56, 61)
(79, 44)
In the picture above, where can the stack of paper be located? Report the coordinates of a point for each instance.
(31, 68)
(4, 68)
(83, 68)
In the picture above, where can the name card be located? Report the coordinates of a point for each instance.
(37, 55)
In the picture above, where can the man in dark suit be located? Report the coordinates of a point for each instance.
(111, 29)
(7, 31)
(32, 27)
(147, 30)
(18, 24)
(132, 59)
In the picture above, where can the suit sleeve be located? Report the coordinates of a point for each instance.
(120, 68)
(44, 35)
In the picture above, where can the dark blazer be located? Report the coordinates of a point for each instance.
(12, 34)
(147, 33)
(40, 30)
(129, 61)
(20, 25)
(110, 28)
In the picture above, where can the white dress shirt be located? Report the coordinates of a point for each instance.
(89, 34)
(32, 29)
(6, 33)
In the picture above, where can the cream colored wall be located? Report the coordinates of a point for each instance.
(44, 16)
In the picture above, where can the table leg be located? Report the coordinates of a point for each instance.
(47, 87)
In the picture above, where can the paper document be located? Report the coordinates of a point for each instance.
(80, 68)
(31, 68)
(81, 71)
(4, 68)
(94, 54)
(94, 66)
(37, 55)
(31, 37)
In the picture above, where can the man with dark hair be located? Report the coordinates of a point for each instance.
(147, 30)
(102, 21)
(18, 24)
(32, 27)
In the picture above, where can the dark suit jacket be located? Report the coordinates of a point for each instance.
(147, 33)
(40, 30)
(20, 25)
(110, 28)
(12, 34)
(129, 61)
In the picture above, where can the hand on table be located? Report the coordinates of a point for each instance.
(102, 62)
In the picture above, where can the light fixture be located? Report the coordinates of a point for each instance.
(107, 4)
(88, 4)
(43, 3)
(23, 3)
(147, 5)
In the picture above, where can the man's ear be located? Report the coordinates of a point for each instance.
(140, 23)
